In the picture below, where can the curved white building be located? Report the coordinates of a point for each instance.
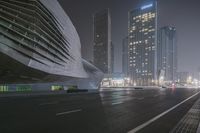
(38, 43)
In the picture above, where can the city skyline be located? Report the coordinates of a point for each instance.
(57, 59)
(166, 9)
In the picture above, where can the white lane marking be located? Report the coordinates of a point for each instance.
(68, 112)
(160, 115)
(117, 103)
(50, 103)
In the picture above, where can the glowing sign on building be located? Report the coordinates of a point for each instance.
(146, 6)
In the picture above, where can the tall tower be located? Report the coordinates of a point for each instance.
(102, 41)
(112, 57)
(167, 52)
(125, 56)
(142, 38)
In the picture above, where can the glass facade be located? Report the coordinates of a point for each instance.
(125, 56)
(23, 88)
(167, 52)
(142, 41)
(4, 88)
(102, 41)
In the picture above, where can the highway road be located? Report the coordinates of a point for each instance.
(123, 111)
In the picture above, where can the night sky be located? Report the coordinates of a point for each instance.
(182, 14)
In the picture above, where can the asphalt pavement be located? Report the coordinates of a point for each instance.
(122, 111)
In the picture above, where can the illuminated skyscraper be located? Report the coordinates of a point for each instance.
(167, 52)
(102, 40)
(142, 40)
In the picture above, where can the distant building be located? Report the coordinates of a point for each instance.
(102, 40)
(112, 57)
(125, 56)
(182, 77)
(142, 41)
(167, 52)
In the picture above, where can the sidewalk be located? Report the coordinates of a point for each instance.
(190, 122)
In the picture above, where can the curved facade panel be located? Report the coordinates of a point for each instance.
(42, 35)
(38, 42)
